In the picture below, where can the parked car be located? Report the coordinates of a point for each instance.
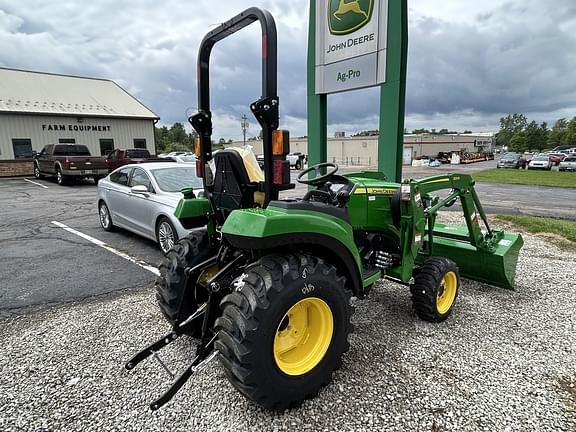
(67, 162)
(121, 157)
(556, 158)
(296, 160)
(512, 160)
(540, 162)
(568, 164)
(184, 158)
(142, 198)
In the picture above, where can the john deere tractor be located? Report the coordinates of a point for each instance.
(265, 284)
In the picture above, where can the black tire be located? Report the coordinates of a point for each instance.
(298, 165)
(105, 217)
(256, 313)
(166, 235)
(61, 179)
(37, 172)
(170, 284)
(430, 287)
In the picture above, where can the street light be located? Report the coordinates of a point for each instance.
(244, 125)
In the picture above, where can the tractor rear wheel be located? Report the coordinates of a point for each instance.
(170, 284)
(435, 289)
(284, 329)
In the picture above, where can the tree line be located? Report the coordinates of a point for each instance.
(175, 138)
(517, 134)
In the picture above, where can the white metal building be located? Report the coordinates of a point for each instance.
(363, 150)
(38, 108)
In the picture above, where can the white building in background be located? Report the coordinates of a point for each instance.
(39, 108)
(363, 150)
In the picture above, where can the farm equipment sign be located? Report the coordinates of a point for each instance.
(350, 44)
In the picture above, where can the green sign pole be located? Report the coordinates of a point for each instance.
(317, 104)
(392, 95)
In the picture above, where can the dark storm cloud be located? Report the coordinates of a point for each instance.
(465, 69)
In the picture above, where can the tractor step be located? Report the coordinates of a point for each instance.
(370, 275)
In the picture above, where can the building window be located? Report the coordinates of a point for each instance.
(22, 148)
(106, 146)
(140, 143)
(67, 141)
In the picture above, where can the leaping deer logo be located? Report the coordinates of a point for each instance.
(344, 8)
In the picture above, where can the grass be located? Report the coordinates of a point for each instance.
(526, 177)
(542, 225)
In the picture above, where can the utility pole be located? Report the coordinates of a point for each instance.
(244, 125)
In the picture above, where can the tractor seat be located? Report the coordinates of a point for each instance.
(232, 186)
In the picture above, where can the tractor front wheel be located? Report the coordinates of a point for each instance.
(284, 329)
(435, 289)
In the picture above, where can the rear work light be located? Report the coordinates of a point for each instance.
(199, 168)
(197, 151)
(281, 172)
(280, 142)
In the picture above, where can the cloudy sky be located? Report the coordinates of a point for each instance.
(469, 62)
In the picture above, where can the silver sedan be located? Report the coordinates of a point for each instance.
(142, 198)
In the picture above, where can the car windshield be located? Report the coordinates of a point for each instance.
(570, 159)
(174, 179)
(540, 158)
(509, 157)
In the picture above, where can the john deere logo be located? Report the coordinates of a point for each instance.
(347, 16)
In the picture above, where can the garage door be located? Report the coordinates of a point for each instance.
(407, 156)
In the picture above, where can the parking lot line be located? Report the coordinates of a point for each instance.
(103, 245)
(37, 184)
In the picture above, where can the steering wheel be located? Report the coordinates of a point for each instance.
(319, 179)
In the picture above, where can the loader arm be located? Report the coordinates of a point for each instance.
(487, 256)
(461, 187)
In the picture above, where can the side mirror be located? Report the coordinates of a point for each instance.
(139, 189)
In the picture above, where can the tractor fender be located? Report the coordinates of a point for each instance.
(279, 230)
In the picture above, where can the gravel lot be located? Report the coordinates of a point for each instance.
(505, 361)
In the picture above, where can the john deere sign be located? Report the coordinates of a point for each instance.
(350, 44)
(345, 18)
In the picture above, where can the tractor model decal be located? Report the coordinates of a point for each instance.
(345, 17)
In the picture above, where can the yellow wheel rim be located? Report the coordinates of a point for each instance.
(446, 293)
(303, 336)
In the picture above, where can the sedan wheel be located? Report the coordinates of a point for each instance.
(105, 219)
(166, 235)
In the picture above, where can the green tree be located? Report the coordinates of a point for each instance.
(532, 136)
(518, 142)
(510, 126)
(543, 132)
(570, 138)
(559, 133)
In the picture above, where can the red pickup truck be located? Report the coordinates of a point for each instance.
(67, 162)
(120, 157)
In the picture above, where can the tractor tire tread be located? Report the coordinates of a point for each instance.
(425, 288)
(244, 312)
(170, 284)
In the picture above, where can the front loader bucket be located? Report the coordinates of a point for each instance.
(495, 268)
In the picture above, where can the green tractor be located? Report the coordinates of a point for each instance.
(265, 284)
